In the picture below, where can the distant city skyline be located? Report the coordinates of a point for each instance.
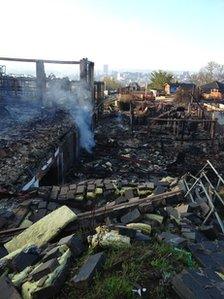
(172, 35)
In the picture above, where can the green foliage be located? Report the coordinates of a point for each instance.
(111, 83)
(112, 287)
(167, 256)
(159, 78)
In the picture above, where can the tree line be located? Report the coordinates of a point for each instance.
(213, 71)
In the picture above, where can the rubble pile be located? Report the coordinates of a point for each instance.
(28, 207)
(51, 228)
(25, 147)
(142, 153)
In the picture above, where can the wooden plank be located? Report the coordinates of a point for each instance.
(108, 209)
(44, 60)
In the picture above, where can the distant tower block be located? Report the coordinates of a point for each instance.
(105, 69)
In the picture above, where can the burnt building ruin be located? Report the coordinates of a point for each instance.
(39, 121)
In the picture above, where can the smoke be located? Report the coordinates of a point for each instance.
(75, 97)
(72, 96)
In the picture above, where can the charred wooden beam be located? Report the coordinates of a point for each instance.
(36, 60)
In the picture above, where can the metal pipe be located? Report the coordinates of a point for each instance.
(213, 188)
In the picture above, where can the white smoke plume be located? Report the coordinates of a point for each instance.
(77, 101)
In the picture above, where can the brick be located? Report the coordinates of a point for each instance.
(3, 267)
(52, 206)
(128, 194)
(51, 254)
(8, 291)
(125, 231)
(3, 222)
(37, 215)
(71, 194)
(171, 239)
(87, 271)
(64, 190)
(74, 243)
(131, 216)
(3, 251)
(54, 193)
(91, 188)
(23, 260)
(42, 205)
(80, 189)
(160, 189)
(120, 200)
(44, 269)
(73, 187)
(99, 183)
(109, 187)
(140, 237)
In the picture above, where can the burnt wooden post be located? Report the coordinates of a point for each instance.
(83, 69)
(131, 116)
(90, 77)
(41, 81)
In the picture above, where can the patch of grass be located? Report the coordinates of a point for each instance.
(168, 261)
(150, 266)
(112, 287)
(162, 265)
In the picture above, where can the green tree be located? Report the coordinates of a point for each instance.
(111, 83)
(159, 78)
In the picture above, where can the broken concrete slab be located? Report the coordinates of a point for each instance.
(85, 275)
(43, 230)
(48, 286)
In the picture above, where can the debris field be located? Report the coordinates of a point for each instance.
(141, 216)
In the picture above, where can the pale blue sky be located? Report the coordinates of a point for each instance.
(126, 34)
